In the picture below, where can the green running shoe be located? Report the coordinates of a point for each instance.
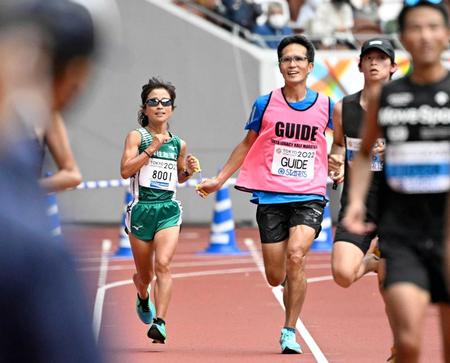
(145, 309)
(288, 343)
(157, 331)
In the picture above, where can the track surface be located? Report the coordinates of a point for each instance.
(222, 309)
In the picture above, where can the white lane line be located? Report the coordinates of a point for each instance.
(277, 291)
(100, 296)
(106, 247)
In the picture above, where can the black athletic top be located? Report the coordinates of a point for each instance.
(352, 118)
(415, 121)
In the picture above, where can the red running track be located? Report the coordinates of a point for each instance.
(222, 309)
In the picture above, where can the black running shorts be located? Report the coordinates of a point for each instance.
(274, 220)
(420, 262)
(361, 241)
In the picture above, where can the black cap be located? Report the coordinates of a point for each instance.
(382, 44)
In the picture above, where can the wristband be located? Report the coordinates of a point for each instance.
(145, 151)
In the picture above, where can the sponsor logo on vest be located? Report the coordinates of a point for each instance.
(423, 115)
(296, 131)
(400, 99)
(166, 155)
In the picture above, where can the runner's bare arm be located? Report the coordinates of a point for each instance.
(186, 165)
(68, 174)
(337, 153)
(233, 163)
(132, 161)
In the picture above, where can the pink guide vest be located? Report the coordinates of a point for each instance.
(290, 153)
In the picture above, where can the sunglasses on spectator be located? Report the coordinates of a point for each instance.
(296, 59)
(153, 102)
(416, 2)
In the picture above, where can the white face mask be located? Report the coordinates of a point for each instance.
(277, 21)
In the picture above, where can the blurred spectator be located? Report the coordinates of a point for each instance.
(275, 27)
(242, 12)
(294, 8)
(306, 15)
(209, 4)
(365, 14)
(333, 24)
(212, 5)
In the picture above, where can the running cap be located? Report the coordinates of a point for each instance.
(382, 44)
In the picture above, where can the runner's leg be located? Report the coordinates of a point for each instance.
(274, 257)
(407, 305)
(165, 241)
(143, 260)
(300, 240)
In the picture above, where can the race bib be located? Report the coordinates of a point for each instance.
(352, 147)
(418, 167)
(159, 174)
(293, 162)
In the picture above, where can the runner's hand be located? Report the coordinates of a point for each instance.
(192, 164)
(158, 140)
(354, 219)
(336, 167)
(208, 186)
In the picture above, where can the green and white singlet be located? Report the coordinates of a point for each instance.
(153, 206)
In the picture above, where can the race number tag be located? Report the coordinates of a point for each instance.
(352, 147)
(418, 167)
(293, 162)
(159, 174)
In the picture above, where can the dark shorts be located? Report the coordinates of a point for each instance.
(418, 262)
(343, 235)
(361, 241)
(274, 220)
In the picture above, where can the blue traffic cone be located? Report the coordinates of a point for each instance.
(324, 242)
(53, 216)
(124, 249)
(222, 239)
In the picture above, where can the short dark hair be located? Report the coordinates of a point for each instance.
(297, 39)
(440, 7)
(154, 83)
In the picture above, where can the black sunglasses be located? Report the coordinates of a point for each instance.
(153, 102)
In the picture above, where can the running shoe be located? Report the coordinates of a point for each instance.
(157, 331)
(145, 309)
(288, 343)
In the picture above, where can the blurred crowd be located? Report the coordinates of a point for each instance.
(330, 24)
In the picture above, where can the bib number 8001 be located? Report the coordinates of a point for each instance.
(161, 175)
